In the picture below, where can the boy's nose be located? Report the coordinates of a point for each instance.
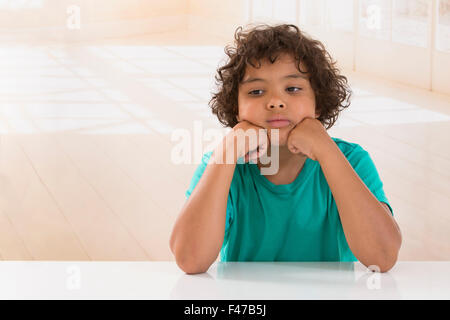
(275, 102)
(273, 106)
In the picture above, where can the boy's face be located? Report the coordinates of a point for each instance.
(276, 90)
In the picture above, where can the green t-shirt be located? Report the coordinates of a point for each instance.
(290, 222)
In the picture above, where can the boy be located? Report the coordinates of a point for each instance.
(326, 200)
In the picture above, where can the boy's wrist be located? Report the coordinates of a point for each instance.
(323, 149)
(225, 152)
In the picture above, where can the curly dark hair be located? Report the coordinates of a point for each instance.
(260, 42)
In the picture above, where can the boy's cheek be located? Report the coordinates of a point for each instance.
(283, 136)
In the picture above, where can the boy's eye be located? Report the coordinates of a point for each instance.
(293, 89)
(255, 92)
(258, 92)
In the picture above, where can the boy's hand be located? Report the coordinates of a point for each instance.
(308, 137)
(250, 149)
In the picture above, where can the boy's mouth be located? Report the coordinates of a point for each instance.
(279, 123)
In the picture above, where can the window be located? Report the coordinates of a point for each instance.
(375, 19)
(274, 11)
(340, 15)
(285, 11)
(443, 26)
(311, 13)
(410, 22)
(262, 10)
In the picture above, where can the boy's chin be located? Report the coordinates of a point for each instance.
(282, 139)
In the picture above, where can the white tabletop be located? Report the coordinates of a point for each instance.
(224, 280)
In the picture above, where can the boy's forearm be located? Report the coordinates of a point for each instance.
(198, 233)
(371, 232)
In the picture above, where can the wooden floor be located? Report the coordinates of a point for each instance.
(85, 147)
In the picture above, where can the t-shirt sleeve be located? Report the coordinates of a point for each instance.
(198, 174)
(196, 178)
(365, 168)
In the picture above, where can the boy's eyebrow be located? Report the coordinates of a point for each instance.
(289, 76)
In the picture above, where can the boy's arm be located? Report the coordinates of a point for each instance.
(371, 232)
(198, 233)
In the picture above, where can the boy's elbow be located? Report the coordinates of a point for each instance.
(195, 270)
(388, 265)
(382, 265)
(391, 258)
(191, 267)
(187, 262)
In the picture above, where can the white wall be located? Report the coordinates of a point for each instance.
(53, 20)
(40, 13)
(441, 72)
(424, 67)
(220, 18)
(388, 53)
